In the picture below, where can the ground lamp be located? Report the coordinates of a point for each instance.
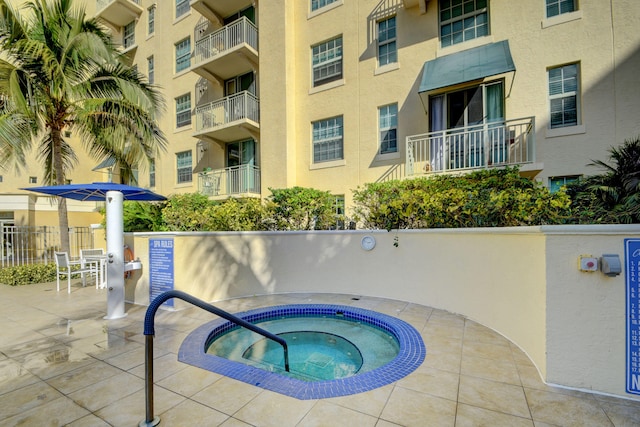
(113, 195)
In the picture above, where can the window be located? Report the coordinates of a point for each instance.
(183, 110)
(327, 61)
(462, 20)
(182, 7)
(317, 4)
(388, 125)
(151, 70)
(151, 20)
(558, 7)
(563, 96)
(152, 173)
(1, 178)
(129, 37)
(183, 55)
(327, 140)
(33, 180)
(387, 50)
(557, 182)
(184, 164)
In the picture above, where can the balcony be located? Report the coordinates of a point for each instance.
(229, 119)
(227, 52)
(118, 13)
(506, 143)
(216, 10)
(242, 180)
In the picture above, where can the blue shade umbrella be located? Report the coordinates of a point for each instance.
(97, 191)
(113, 195)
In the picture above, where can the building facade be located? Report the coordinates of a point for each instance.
(334, 94)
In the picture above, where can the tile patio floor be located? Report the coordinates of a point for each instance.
(61, 364)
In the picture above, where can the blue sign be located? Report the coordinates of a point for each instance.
(161, 269)
(632, 257)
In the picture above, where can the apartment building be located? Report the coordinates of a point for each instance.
(333, 94)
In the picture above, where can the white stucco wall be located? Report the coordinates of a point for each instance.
(523, 282)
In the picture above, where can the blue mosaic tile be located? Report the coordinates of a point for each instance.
(412, 352)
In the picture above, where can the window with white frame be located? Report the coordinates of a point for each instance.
(557, 182)
(182, 7)
(183, 110)
(462, 20)
(183, 54)
(152, 173)
(184, 163)
(151, 69)
(151, 19)
(328, 140)
(129, 37)
(327, 61)
(388, 124)
(387, 48)
(564, 96)
(558, 7)
(317, 4)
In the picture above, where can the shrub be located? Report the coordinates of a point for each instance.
(486, 198)
(142, 216)
(235, 215)
(300, 208)
(27, 274)
(186, 212)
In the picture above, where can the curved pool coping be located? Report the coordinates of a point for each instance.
(411, 353)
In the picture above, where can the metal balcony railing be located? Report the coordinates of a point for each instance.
(239, 106)
(232, 180)
(510, 142)
(226, 38)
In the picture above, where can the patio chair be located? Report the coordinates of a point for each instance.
(97, 256)
(64, 267)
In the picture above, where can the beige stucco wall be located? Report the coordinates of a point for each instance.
(522, 282)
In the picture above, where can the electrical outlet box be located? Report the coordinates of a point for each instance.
(588, 263)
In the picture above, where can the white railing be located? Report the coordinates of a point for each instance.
(511, 142)
(101, 4)
(228, 37)
(21, 245)
(228, 181)
(239, 106)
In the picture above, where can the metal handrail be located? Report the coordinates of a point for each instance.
(149, 332)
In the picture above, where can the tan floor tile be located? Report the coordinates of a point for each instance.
(189, 381)
(26, 398)
(133, 359)
(565, 410)
(433, 382)
(622, 414)
(32, 346)
(496, 370)
(232, 422)
(193, 414)
(82, 377)
(470, 416)
(495, 396)
(411, 408)
(441, 342)
(104, 393)
(371, 402)
(88, 421)
(236, 394)
(14, 376)
(530, 377)
(163, 367)
(488, 351)
(55, 361)
(131, 409)
(439, 358)
(520, 357)
(270, 409)
(474, 331)
(55, 413)
(446, 329)
(324, 414)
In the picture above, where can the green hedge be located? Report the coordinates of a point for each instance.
(27, 274)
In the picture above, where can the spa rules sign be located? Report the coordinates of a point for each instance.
(161, 268)
(632, 257)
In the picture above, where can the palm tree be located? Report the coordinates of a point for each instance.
(60, 72)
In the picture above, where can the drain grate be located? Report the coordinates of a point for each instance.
(320, 360)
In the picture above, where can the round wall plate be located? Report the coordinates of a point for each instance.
(368, 243)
